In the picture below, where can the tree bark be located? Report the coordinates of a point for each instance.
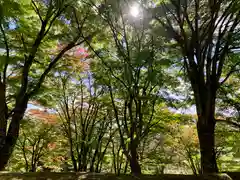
(205, 100)
(134, 164)
(11, 139)
(135, 167)
(207, 146)
(13, 132)
(3, 120)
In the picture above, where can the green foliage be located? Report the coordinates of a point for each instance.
(227, 145)
(38, 147)
(113, 105)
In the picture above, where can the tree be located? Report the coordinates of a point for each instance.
(132, 72)
(28, 31)
(227, 147)
(229, 108)
(85, 120)
(37, 142)
(206, 33)
(172, 144)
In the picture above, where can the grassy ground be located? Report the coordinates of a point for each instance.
(78, 176)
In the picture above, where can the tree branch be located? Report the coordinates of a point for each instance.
(29, 60)
(51, 65)
(97, 54)
(232, 123)
(7, 57)
(226, 46)
(79, 24)
(229, 74)
(53, 19)
(37, 10)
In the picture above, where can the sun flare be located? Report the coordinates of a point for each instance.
(134, 10)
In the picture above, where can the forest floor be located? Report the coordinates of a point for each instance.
(102, 176)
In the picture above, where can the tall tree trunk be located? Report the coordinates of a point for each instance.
(205, 99)
(33, 169)
(13, 130)
(3, 120)
(207, 145)
(11, 138)
(134, 164)
(135, 167)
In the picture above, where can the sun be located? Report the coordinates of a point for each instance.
(134, 10)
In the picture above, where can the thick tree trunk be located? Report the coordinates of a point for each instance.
(134, 164)
(13, 132)
(205, 99)
(207, 146)
(3, 120)
(33, 169)
(135, 167)
(6, 152)
(11, 139)
(3, 127)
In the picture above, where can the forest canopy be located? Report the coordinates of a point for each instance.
(120, 86)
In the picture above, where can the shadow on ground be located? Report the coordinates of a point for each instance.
(102, 176)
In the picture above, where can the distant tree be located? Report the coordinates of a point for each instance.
(36, 143)
(85, 120)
